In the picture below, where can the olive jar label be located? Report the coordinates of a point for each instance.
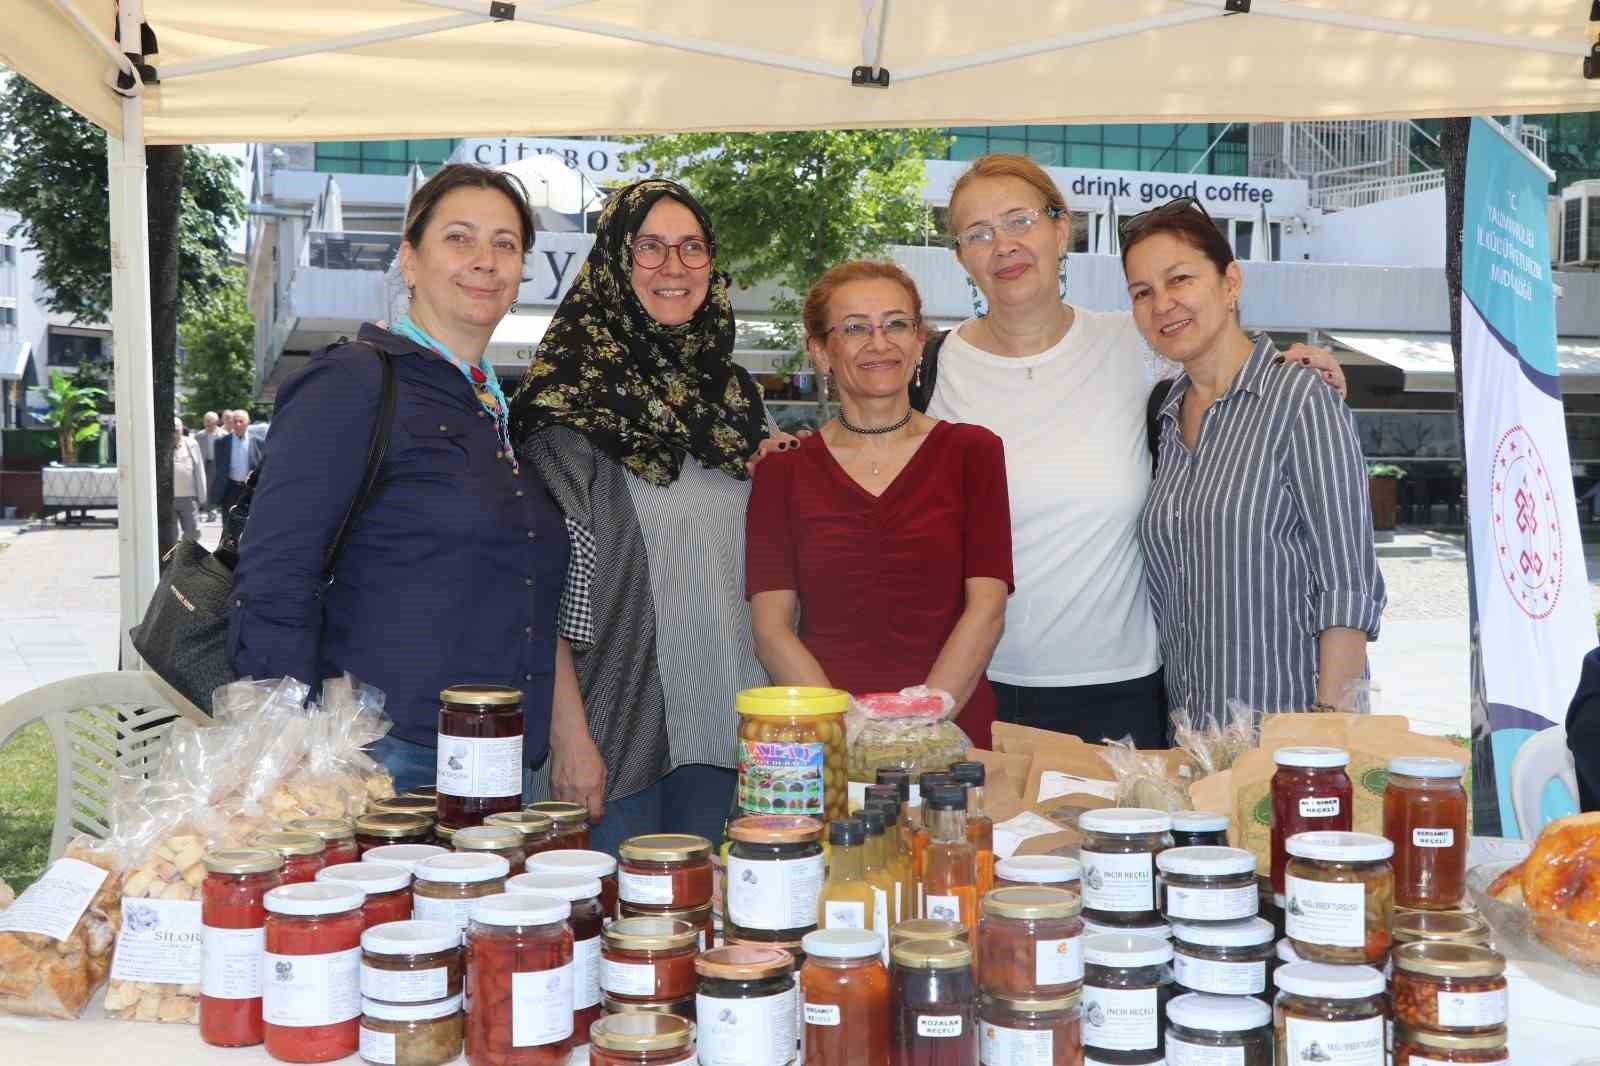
(781, 777)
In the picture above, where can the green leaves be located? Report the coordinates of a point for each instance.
(219, 369)
(72, 413)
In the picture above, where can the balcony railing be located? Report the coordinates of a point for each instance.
(1376, 190)
(350, 251)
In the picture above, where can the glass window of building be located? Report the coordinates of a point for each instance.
(71, 349)
(383, 157)
(1171, 147)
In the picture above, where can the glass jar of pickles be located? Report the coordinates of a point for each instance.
(1050, 871)
(519, 982)
(1339, 891)
(1329, 1014)
(571, 824)
(1425, 815)
(1030, 943)
(502, 840)
(1458, 988)
(670, 871)
(792, 752)
(479, 753)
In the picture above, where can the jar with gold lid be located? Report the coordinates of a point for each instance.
(338, 838)
(1458, 988)
(1030, 942)
(1419, 1047)
(683, 1008)
(670, 871)
(427, 806)
(641, 1039)
(537, 830)
(648, 959)
(925, 929)
(383, 828)
(699, 917)
(302, 853)
(479, 753)
(500, 840)
(571, 823)
(425, 791)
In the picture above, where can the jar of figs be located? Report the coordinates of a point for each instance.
(1196, 829)
(412, 1034)
(1322, 1009)
(775, 869)
(446, 887)
(933, 999)
(648, 960)
(1310, 793)
(587, 921)
(479, 753)
(411, 962)
(232, 918)
(579, 863)
(1205, 1029)
(1419, 1047)
(571, 824)
(338, 838)
(1030, 943)
(1223, 958)
(387, 889)
(302, 854)
(405, 856)
(1050, 871)
(1425, 814)
(745, 1006)
(1030, 1031)
(387, 828)
(538, 830)
(1339, 897)
(792, 753)
(311, 983)
(1126, 985)
(500, 840)
(426, 806)
(1119, 850)
(844, 992)
(666, 871)
(1457, 988)
(642, 1039)
(1207, 884)
(699, 917)
(519, 981)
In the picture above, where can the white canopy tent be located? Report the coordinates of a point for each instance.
(299, 70)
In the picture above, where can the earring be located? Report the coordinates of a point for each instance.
(411, 292)
(917, 381)
(980, 306)
(513, 308)
(825, 385)
(1061, 278)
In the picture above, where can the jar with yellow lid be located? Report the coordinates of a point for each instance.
(537, 829)
(1419, 1047)
(427, 806)
(384, 828)
(1030, 943)
(338, 837)
(670, 871)
(924, 929)
(792, 751)
(641, 1039)
(479, 753)
(500, 840)
(571, 823)
(1458, 988)
(302, 854)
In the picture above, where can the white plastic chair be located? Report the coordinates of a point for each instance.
(101, 726)
(1542, 758)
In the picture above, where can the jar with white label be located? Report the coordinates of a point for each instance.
(1425, 812)
(587, 922)
(1223, 959)
(844, 992)
(311, 971)
(1339, 897)
(1419, 1047)
(1052, 871)
(1311, 792)
(445, 886)
(411, 962)
(1030, 943)
(641, 1039)
(648, 960)
(1332, 1015)
(665, 871)
(519, 982)
(1458, 988)
(933, 1004)
(745, 1006)
(479, 753)
(1119, 848)
(1205, 1030)
(412, 1034)
(1207, 884)
(774, 877)
(1030, 1031)
(1126, 985)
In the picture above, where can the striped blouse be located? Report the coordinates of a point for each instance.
(1259, 539)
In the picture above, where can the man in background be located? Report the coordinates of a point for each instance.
(207, 440)
(237, 453)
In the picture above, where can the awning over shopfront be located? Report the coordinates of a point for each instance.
(1426, 362)
(14, 356)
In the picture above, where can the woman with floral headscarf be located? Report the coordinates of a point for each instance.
(639, 420)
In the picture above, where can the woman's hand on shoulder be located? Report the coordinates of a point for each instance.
(778, 442)
(1322, 361)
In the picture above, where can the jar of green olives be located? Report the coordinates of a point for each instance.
(792, 751)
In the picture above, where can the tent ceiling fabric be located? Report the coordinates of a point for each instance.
(638, 66)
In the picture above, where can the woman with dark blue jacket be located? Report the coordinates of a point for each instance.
(453, 571)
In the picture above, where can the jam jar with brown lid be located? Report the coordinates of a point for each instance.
(571, 824)
(479, 753)
(775, 871)
(1459, 988)
(745, 1006)
(391, 827)
(669, 871)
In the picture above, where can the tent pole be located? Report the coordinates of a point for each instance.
(134, 377)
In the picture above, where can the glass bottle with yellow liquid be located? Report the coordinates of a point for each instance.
(847, 899)
(902, 902)
(950, 864)
(980, 827)
(875, 869)
(918, 819)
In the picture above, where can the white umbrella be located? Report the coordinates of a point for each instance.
(330, 208)
(414, 181)
(1110, 242)
(1261, 238)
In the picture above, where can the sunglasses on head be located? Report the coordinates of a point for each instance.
(1135, 225)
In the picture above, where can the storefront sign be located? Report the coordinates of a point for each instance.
(600, 161)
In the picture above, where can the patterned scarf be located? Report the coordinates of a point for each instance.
(481, 376)
(640, 391)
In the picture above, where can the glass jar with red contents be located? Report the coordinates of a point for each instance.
(500, 840)
(699, 917)
(388, 828)
(311, 975)
(302, 854)
(232, 918)
(405, 856)
(427, 806)
(642, 1039)
(387, 888)
(648, 960)
(580, 863)
(519, 981)
(538, 830)
(1425, 815)
(1030, 942)
(1038, 1030)
(844, 999)
(587, 921)
(1310, 792)
(571, 823)
(479, 753)
(338, 837)
(670, 871)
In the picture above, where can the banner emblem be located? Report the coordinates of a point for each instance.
(1527, 525)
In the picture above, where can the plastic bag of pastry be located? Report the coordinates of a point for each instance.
(1142, 779)
(907, 730)
(1214, 744)
(56, 937)
(336, 778)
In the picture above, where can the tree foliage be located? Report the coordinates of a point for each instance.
(219, 370)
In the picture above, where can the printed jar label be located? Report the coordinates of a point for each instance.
(1058, 962)
(645, 888)
(405, 986)
(1503, 1060)
(939, 1026)
(1212, 904)
(628, 978)
(1118, 882)
(1433, 838)
(944, 908)
(822, 1014)
(1319, 806)
(1334, 1043)
(160, 941)
(1118, 1019)
(452, 912)
(1220, 978)
(774, 895)
(843, 914)
(541, 1006)
(999, 1046)
(1180, 1053)
(377, 1047)
(480, 767)
(303, 990)
(52, 905)
(585, 973)
(1472, 1010)
(231, 962)
(746, 1032)
(1319, 912)
(781, 777)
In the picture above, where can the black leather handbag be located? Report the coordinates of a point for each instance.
(183, 636)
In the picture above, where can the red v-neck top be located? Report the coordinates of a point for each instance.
(880, 579)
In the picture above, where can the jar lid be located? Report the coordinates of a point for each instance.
(1199, 821)
(795, 948)
(411, 1012)
(310, 898)
(1426, 766)
(1156, 930)
(1456, 926)
(413, 937)
(523, 908)
(650, 934)
(1226, 1014)
(665, 847)
(530, 824)
(289, 843)
(1206, 860)
(1125, 820)
(1125, 949)
(427, 806)
(696, 916)
(641, 1031)
(1244, 933)
(574, 861)
(842, 943)
(570, 887)
(445, 834)
(1031, 903)
(1039, 869)
(1311, 757)
(781, 701)
(243, 861)
(325, 828)
(565, 815)
(462, 868)
(926, 929)
(1286, 951)
(946, 795)
(1441, 959)
(1035, 1005)
(1489, 1040)
(969, 773)
(481, 695)
(391, 824)
(682, 1007)
(1323, 981)
(931, 954)
(486, 838)
(430, 791)
(405, 856)
(370, 877)
(1338, 846)
(743, 962)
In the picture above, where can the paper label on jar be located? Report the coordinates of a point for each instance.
(1319, 806)
(1212, 904)
(1320, 912)
(943, 908)
(303, 990)
(480, 767)
(377, 1047)
(405, 986)
(541, 1006)
(1120, 1019)
(781, 777)
(1357, 1043)
(822, 1014)
(627, 978)
(654, 889)
(231, 962)
(585, 973)
(160, 941)
(1058, 962)
(52, 905)
(452, 912)
(1503, 1060)
(1220, 978)
(1433, 838)
(939, 1026)
(843, 914)
(746, 1032)
(1472, 1010)
(999, 1046)
(774, 895)
(1181, 1053)
(1118, 882)
(880, 917)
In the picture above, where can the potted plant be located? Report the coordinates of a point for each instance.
(1383, 487)
(73, 414)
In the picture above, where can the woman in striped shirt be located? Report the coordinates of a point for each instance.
(1258, 532)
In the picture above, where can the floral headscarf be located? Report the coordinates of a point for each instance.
(642, 392)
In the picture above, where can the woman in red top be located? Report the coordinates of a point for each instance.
(889, 530)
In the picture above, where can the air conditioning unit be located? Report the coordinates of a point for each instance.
(1579, 243)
